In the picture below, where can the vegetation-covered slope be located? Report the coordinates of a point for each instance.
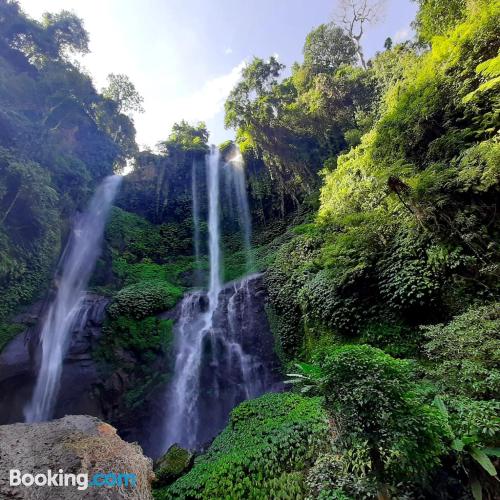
(58, 138)
(388, 294)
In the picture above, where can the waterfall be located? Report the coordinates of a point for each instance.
(196, 220)
(213, 227)
(77, 263)
(237, 173)
(194, 325)
(223, 345)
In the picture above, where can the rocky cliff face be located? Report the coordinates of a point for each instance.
(87, 385)
(90, 386)
(77, 444)
(80, 380)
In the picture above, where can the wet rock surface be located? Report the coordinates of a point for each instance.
(80, 379)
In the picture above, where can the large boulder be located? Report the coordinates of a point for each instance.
(75, 444)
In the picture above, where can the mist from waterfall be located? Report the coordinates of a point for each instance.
(77, 263)
(236, 183)
(214, 368)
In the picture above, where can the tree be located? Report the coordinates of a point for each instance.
(354, 15)
(327, 48)
(66, 32)
(434, 17)
(123, 92)
(250, 100)
(186, 137)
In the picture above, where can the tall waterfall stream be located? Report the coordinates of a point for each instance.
(77, 263)
(219, 358)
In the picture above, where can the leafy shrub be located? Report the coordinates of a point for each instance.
(370, 396)
(292, 266)
(262, 453)
(336, 303)
(475, 431)
(144, 299)
(407, 283)
(466, 352)
(331, 479)
(396, 339)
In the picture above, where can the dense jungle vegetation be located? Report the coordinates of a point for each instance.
(383, 292)
(374, 190)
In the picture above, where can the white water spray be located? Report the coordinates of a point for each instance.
(78, 261)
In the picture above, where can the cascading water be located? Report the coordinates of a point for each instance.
(223, 353)
(77, 263)
(196, 219)
(213, 228)
(238, 175)
(235, 182)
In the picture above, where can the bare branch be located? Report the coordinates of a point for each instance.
(354, 15)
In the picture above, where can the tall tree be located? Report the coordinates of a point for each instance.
(327, 48)
(354, 16)
(121, 90)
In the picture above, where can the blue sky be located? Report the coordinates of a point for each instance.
(184, 56)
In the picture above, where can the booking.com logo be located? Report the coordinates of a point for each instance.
(80, 481)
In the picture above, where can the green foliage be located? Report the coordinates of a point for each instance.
(284, 280)
(144, 299)
(8, 332)
(396, 339)
(142, 251)
(262, 453)
(123, 92)
(435, 17)
(466, 352)
(58, 139)
(473, 424)
(137, 335)
(327, 48)
(371, 397)
(29, 231)
(136, 346)
(187, 137)
(306, 378)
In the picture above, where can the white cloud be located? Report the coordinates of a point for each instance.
(228, 51)
(402, 34)
(201, 105)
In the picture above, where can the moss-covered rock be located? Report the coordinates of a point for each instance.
(176, 462)
(144, 299)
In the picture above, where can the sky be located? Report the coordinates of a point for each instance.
(185, 56)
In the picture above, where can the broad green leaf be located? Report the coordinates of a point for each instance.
(482, 459)
(491, 452)
(439, 404)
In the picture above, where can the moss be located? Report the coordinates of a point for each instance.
(140, 336)
(263, 452)
(172, 465)
(144, 299)
(8, 332)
